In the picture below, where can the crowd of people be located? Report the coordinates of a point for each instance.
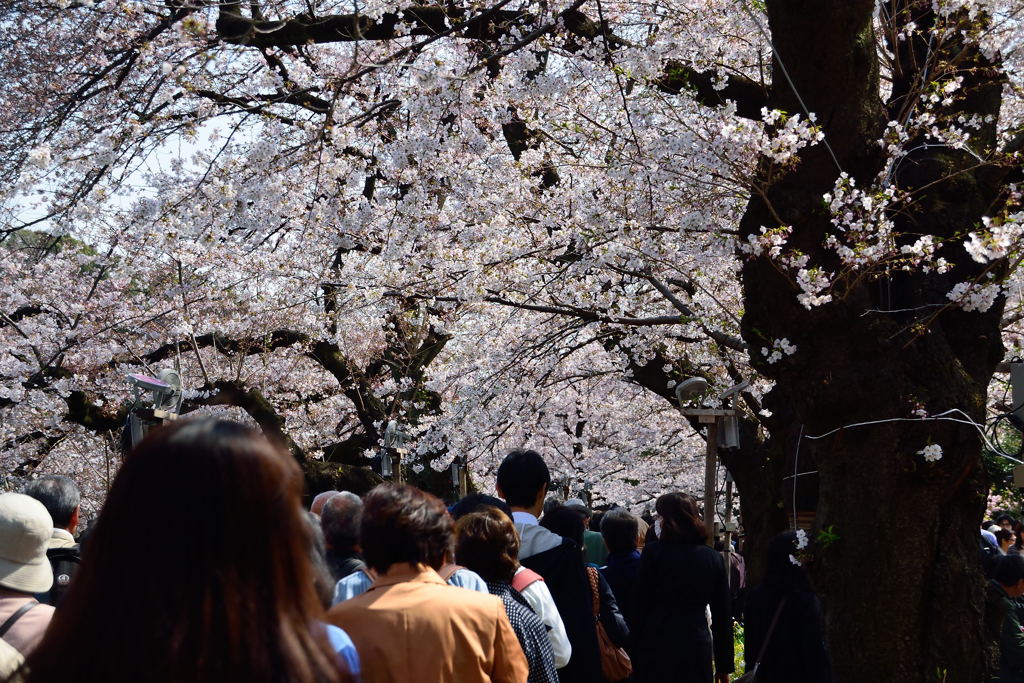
(203, 566)
(1002, 556)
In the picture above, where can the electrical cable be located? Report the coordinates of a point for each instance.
(943, 416)
(796, 468)
(994, 434)
(789, 79)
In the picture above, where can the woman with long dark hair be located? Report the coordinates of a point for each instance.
(198, 570)
(679, 578)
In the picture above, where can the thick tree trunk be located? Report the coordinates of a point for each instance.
(901, 581)
(898, 571)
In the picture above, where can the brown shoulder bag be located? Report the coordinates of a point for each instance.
(615, 663)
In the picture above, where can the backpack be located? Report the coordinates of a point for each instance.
(64, 562)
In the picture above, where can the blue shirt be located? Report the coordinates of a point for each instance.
(360, 582)
(345, 648)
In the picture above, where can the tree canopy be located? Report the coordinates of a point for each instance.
(522, 223)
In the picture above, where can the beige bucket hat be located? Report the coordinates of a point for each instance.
(25, 530)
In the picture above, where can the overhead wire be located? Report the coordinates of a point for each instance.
(789, 79)
(943, 416)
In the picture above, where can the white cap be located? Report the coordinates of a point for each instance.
(25, 531)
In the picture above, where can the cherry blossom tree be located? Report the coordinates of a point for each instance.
(523, 223)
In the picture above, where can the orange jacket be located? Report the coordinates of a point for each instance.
(412, 626)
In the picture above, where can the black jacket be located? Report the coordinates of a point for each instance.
(559, 561)
(620, 573)
(671, 641)
(796, 649)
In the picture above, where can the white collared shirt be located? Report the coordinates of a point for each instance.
(524, 518)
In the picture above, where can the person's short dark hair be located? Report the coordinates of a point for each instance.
(1008, 570)
(565, 522)
(619, 529)
(521, 476)
(486, 542)
(475, 502)
(680, 520)
(1005, 517)
(403, 524)
(58, 494)
(1003, 535)
(340, 518)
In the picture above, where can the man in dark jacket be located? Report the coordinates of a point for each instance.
(339, 520)
(523, 480)
(1006, 586)
(61, 497)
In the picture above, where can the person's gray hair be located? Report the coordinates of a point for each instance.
(58, 494)
(323, 582)
(317, 505)
(340, 520)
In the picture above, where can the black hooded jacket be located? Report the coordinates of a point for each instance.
(558, 560)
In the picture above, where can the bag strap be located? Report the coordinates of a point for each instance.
(6, 626)
(768, 635)
(594, 593)
(448, 571)
(524, 579)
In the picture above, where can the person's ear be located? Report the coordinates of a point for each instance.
(501, 494)
(73, 523)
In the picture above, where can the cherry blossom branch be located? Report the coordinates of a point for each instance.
(712, 89)
(721, 338)
(430, 20)
(256, 405)
(230, 346)
(581, 313)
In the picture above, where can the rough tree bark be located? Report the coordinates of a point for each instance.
(900, 580)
